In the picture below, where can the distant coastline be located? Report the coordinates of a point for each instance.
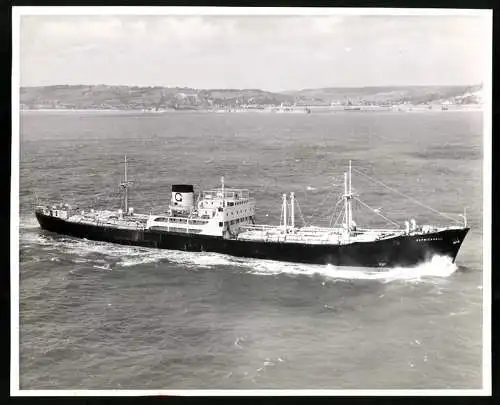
(312, 110)
(181, 99)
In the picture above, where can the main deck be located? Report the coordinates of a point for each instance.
(314, 235)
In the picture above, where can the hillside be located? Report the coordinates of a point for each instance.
(387, 95)
(159, 98)
(133, 97)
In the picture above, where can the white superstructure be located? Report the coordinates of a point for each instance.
(219, 212)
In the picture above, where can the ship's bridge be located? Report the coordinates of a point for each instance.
(231, 207)
(224, 197)
(227, 194)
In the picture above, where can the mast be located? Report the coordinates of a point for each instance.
(346, 204)
(284, 212)
(350, 196)
(292, 209)
(125, 185)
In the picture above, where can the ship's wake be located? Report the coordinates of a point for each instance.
(437, 267)
(117, 256)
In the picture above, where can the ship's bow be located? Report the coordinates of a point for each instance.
(453, 239)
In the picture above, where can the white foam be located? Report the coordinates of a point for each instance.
(80, 260)
(138, 260)
(30, 238)
(79, 247)
(203, 259)
(190, 259)
(105, 267)
(439, 266)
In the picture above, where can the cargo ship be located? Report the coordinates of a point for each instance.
(222, 220)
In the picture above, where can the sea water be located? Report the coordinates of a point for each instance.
(100, 316)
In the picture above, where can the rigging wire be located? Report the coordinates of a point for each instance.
(376, 212)
(331, 218)
(302, 216)
(341, 213)
(320, 204)
(300, 213)
(404, 195)
(333, 212)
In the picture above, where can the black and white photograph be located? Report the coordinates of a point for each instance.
(250, 201)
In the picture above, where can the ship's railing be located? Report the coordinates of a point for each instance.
(111, 224)
(312, 235)
(293, 238)
(378, 230)
(421, 229)
(42, 203)
(232, 193)
(253, 227)
(318, 230)
(317, 239)
(53, 205)
(303, 230)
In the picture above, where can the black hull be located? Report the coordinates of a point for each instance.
(398, 251)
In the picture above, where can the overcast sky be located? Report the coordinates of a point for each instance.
(268, 52)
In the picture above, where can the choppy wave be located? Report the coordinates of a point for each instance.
(129, 256)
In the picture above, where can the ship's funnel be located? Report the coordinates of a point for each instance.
(182, 196)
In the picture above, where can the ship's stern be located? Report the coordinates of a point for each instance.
(52, 218)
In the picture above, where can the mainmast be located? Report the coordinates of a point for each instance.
(348, 198)
(125, 185)
(346, 206)
(126, 188)
(292, 210)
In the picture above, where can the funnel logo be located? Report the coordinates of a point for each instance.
(178, 197)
